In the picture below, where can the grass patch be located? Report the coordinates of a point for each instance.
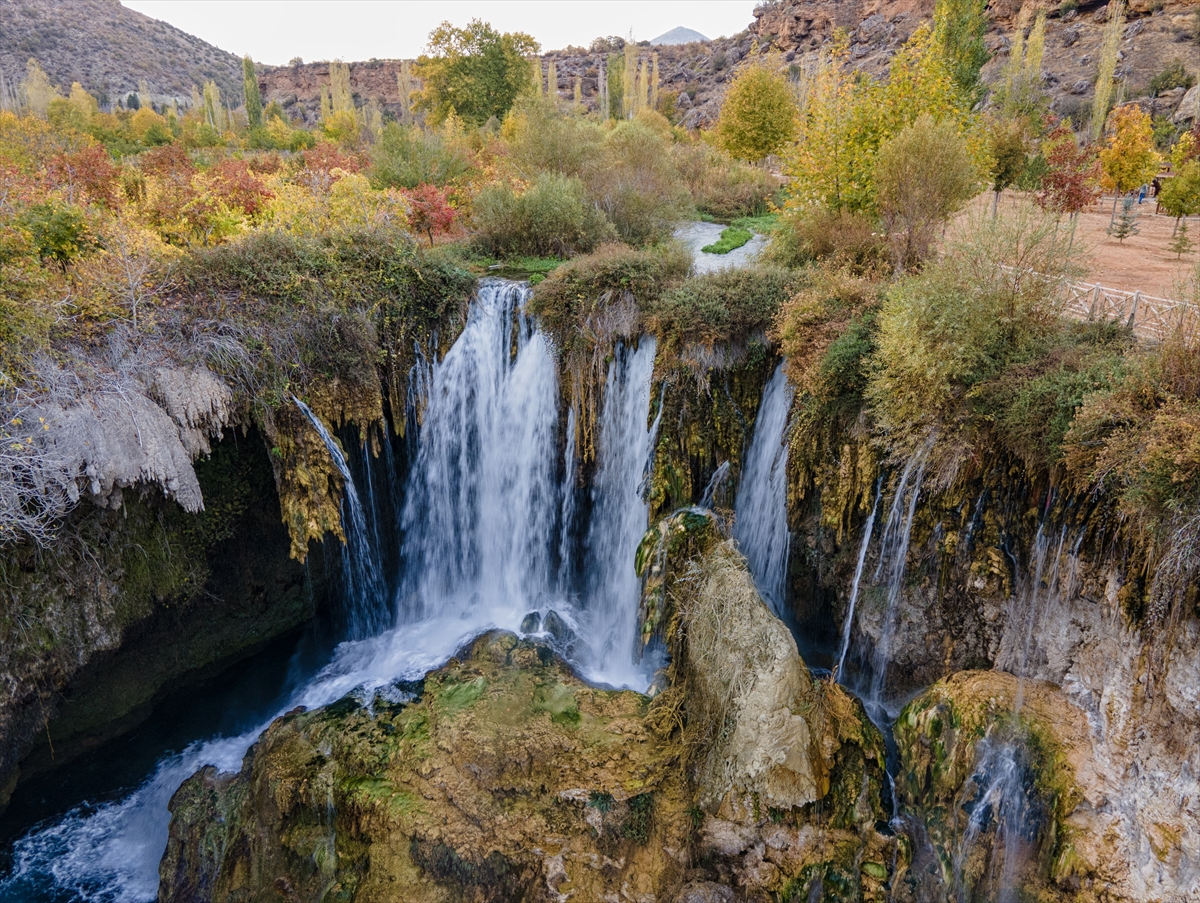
(456, 697)
(761, 225)
(731, 239)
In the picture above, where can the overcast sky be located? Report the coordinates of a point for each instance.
(275, 31)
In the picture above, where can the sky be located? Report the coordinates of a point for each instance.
(275, 31)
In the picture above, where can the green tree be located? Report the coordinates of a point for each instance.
(476, 71)
(923, 176)
(1125, 225)
(958, 30)
(1020, 91)
(1180, 243)
(758, 117)
(1008, 153)
(1180, 195)
(254, 109)
(1110, 46)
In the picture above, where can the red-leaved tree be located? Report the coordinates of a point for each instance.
(1072, 179)
(430, 211)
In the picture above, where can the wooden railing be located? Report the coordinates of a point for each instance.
(1149, 317)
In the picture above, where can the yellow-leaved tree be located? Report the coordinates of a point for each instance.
(758, 117)
(1128, 160)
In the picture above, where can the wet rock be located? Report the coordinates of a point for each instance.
(532, 622)
(554, 625)
(704, 892)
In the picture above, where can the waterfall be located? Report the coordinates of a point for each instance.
(760, 511)
(482, 504)
(484, 517)
(366, 603)
(893, 558)
(619, 518)
(848, 623)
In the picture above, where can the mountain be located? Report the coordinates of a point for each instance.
(109, 49)
(679, 35)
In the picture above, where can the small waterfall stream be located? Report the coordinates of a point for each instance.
(856, 586)
(619, 518)
(760, 511)
(485, 522)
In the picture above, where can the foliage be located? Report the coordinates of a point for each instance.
(731, 239)
(254, 114)
(634, 182)
(1180, 194)
(758, 115)
(819, 234)
(430, 211)
(1072, 175)
(1107, 66)
(1180, 243)
(1020, 92)
(924, 175)
(540, 138)
(726, 306)
(991, 300)
(845, 119)
(1008, 153)
(60, 234)
(1173, 75)
(475, 72)
(1125, 224)
(719, 185)
(595, 297)
(551, 217)
(958, 30)
(408, 156)
(1129, 160)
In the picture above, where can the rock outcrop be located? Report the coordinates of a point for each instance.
(509, 778)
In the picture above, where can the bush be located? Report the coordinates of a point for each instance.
(408, 156)
(596, 298)
(840, 237)
(720, 186)
(541, 139)
(1173, 75)
(552, 217)
(758, 115)
(726, 306)
(633, 180)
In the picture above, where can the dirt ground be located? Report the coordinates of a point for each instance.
(1140, 263)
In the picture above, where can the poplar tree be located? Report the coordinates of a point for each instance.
(628, 107)
(552, 80)
(405, 87)
(654, 73)
(341, 97)
(959, 27)
(37, 90)
(254, 110)
(212, 105)
(1109, 47)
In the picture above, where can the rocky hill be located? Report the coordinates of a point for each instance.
(110, 50)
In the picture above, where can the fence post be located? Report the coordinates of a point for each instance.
(1133, 310)
(1095, 301)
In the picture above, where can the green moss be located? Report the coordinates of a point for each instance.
(731, 239)
(455, 697)
(641, 815)
(559, 700)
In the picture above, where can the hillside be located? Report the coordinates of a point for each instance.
(110, 49)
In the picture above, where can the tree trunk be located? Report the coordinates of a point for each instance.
(995, 204)
(1116, 197)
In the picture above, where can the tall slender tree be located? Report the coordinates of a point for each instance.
(254, 109)
(1107, 67)
(959, 27)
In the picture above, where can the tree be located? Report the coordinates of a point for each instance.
(430, 211)
(958, 30)
(254, 110)
(1110, 46)
(474, 71)
(1180, 195)
(1129, 159)
(1008, 153)
(1021, 88)
(924, 176)
(1180, 243)
(1072, 175)
(37, 90)
(758, 117)
(1126, 224)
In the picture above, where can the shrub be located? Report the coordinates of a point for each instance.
(720, 186)
(758, 116)
(408, 156)
(552, 217)
(838, 236)
(1173, 75)
(633, 180)
(726, 306)
(595, 298)
(541, 139)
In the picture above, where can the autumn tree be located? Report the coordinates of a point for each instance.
(1129, 159)
(476, 71)
(924, 176)
(958, 30)
(1180, 194)
(1110, 45)
(758, 117)
(1072, 177)
(430, 210)
(1020, 91)
(254, 110)
(1006, 140)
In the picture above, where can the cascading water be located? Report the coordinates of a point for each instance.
(619, 518)
(868, 529)
(482, 520)
(483, 504)
(760, 511)
(367, 606)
